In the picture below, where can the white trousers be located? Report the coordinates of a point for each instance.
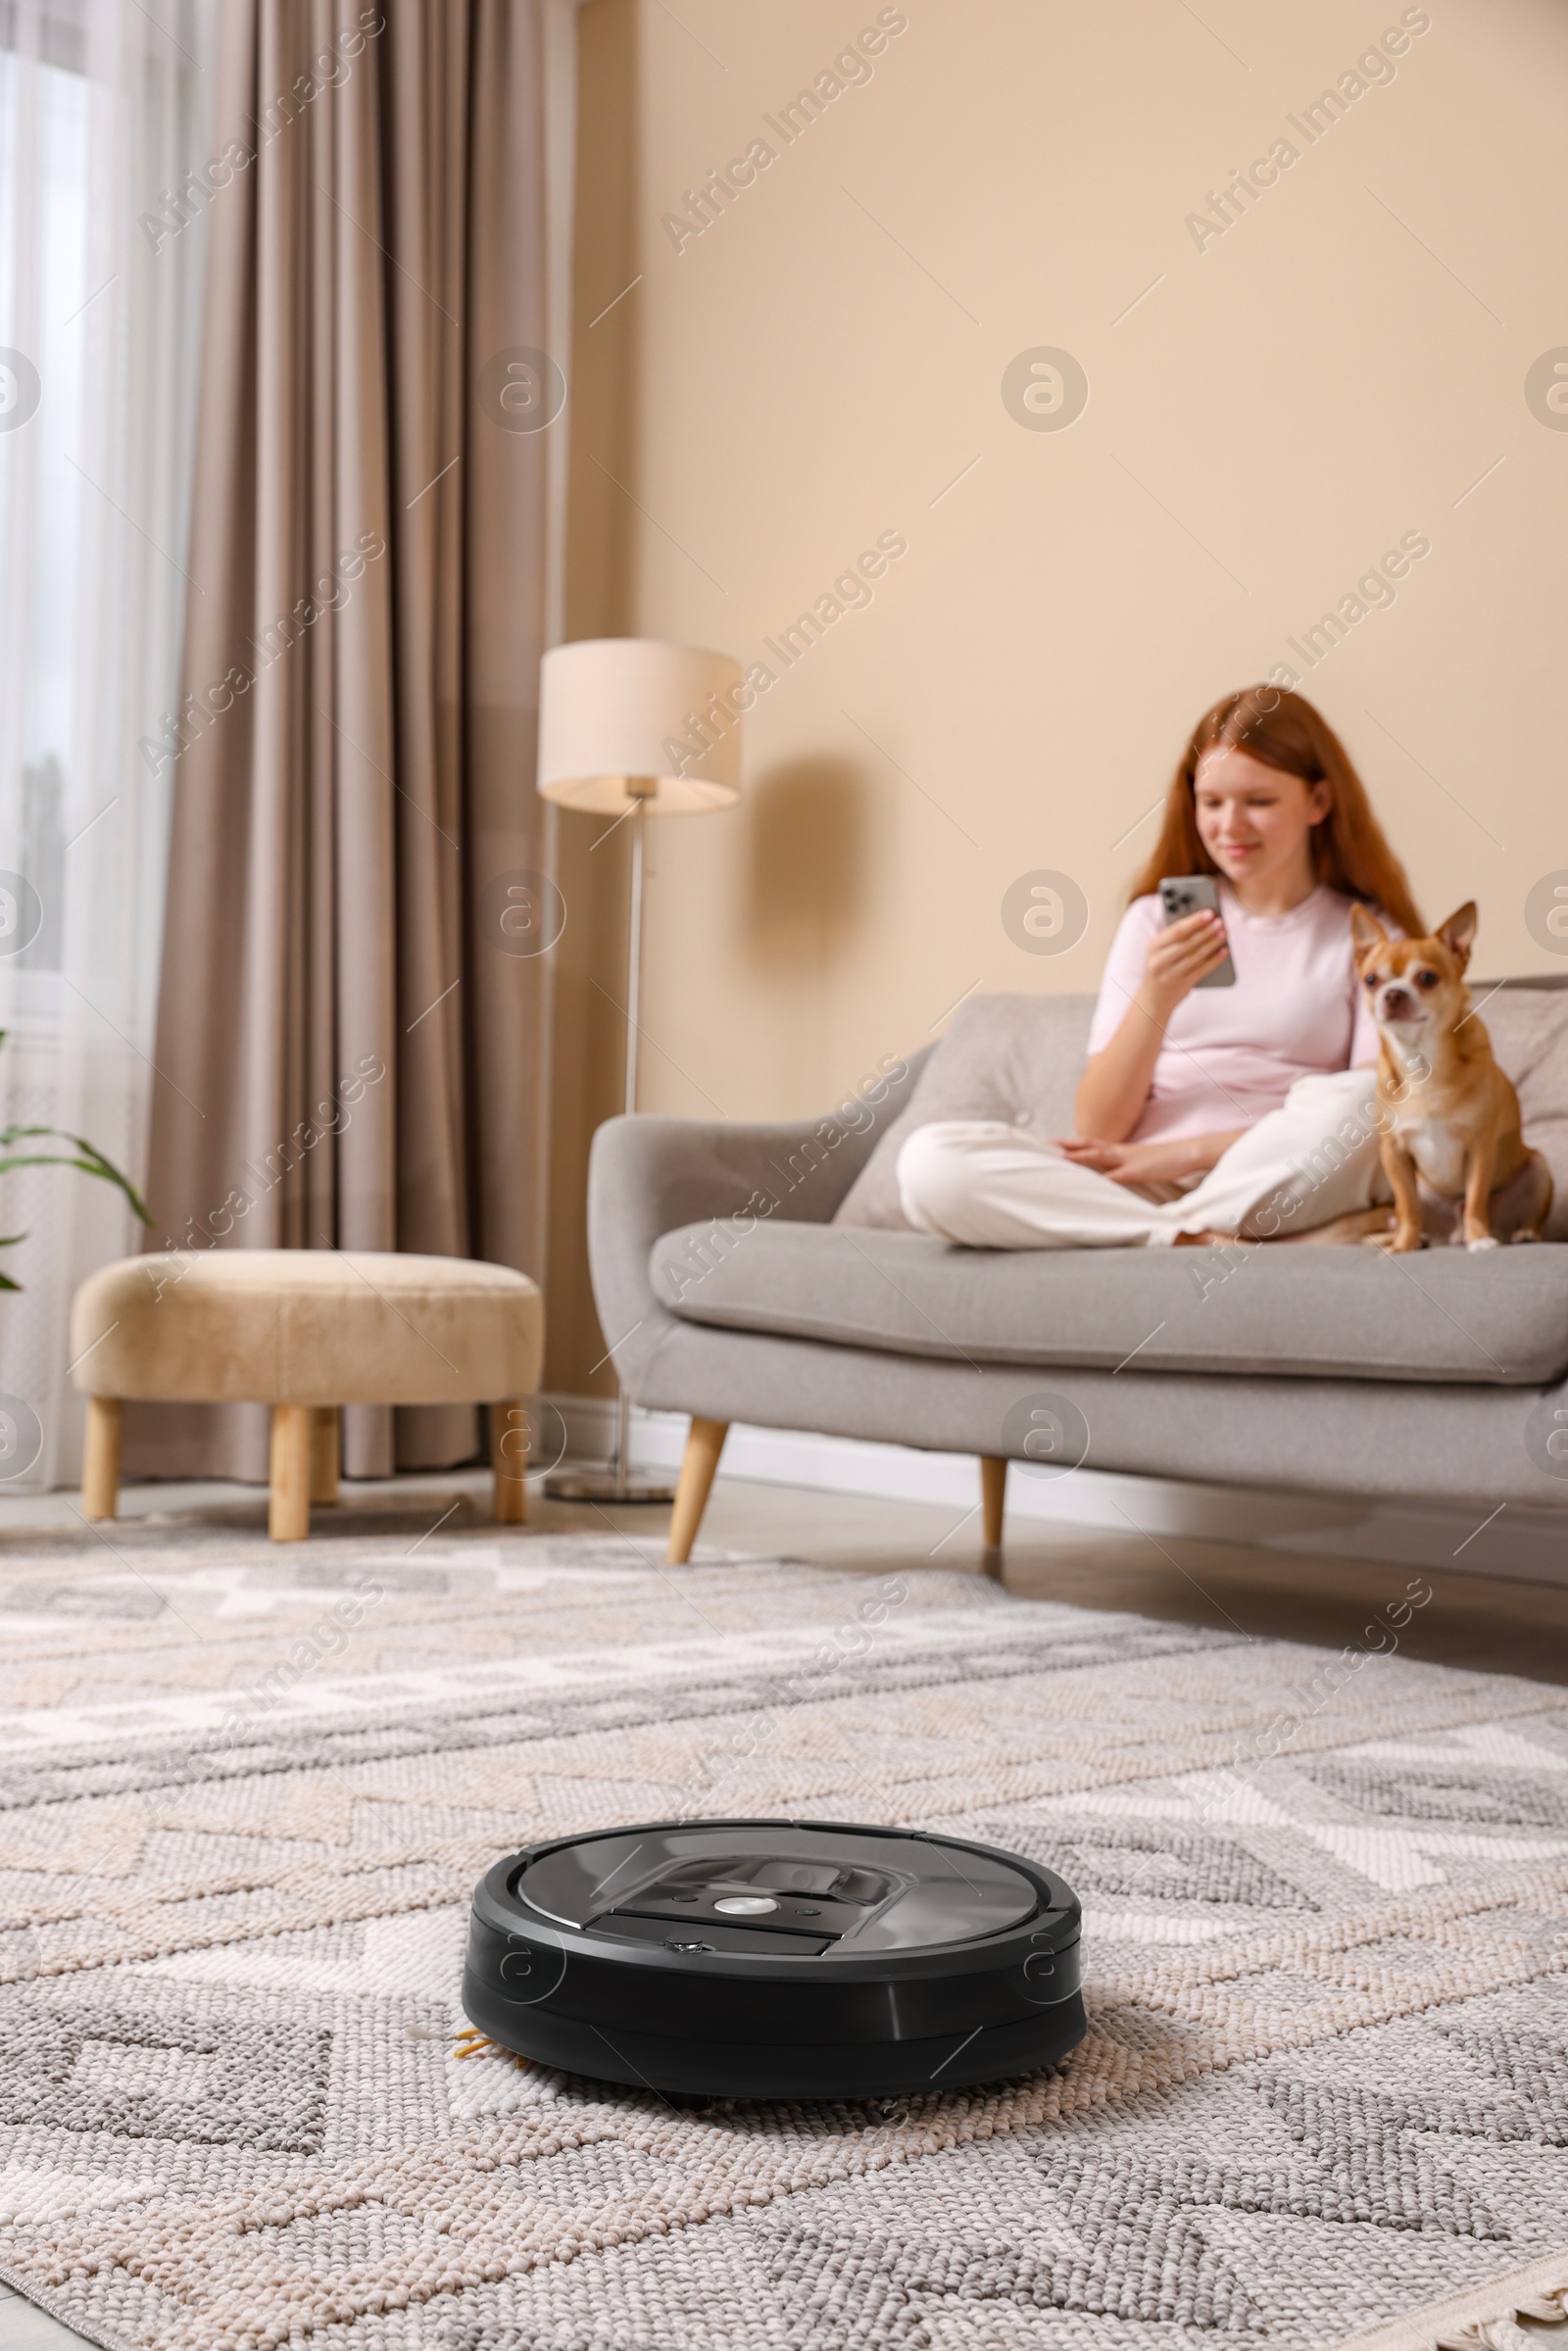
(992, 1185)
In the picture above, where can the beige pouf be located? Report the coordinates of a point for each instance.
(305, 1331)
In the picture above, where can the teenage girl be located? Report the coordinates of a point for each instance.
(1208, 1110)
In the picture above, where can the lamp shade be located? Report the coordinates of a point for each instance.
(624, 719)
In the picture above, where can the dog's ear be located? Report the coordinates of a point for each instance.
(1366, 932)
(1458, 933)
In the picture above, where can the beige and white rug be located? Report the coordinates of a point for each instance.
(247, 1793)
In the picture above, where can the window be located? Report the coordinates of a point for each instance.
(103, 105)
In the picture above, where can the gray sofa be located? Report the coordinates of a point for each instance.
(763, 1273)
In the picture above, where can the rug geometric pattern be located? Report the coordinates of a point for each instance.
(245, 1797)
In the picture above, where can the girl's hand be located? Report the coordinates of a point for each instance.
(1149, 1162)
(1178, 957)
(1123, 1163)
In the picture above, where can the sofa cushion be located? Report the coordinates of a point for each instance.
(1020, 1058)
(1498, 1318)
(1529, 1031)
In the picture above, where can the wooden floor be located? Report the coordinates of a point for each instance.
(1489, 1623)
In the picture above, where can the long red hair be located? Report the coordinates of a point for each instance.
(1350, 851)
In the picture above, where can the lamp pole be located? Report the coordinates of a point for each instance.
(642, 792)
(614, 713)
(620, 1483)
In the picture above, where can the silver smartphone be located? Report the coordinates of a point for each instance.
(1194, 894)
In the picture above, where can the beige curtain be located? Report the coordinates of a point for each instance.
(351, 1040)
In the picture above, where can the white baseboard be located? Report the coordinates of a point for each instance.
(1531, 1543)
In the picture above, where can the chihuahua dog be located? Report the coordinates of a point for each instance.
(1453, 1150)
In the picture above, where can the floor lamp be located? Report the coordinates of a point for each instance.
(630, 729)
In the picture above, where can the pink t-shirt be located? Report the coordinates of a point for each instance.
(1231, 1054)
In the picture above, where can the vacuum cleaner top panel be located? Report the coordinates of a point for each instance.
(822, 1892)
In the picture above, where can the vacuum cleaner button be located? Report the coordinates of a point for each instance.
(745, 1906)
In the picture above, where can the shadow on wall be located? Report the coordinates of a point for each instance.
(807, 857)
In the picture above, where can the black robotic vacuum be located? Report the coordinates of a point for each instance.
(776, 1959)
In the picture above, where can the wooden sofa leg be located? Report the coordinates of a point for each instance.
(509, 1446)
(100, 1469)
(288, 1515)
(325, 1462)
(705, 1441)
(993, 1496)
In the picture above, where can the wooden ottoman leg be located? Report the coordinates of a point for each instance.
(705, 1441)
(100, 1469)
(288, 1517)
(325, 1453)
(509, 1446)
(993, 1496)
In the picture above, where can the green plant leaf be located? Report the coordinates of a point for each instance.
(90, 1161)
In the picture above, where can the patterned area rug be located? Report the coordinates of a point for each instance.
(248, 1793)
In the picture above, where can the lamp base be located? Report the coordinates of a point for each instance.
(612, 1485)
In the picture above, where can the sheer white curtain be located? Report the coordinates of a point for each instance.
(104, 184)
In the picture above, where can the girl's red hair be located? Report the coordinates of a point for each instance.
(1350, 851)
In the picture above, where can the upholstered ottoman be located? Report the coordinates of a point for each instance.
(305, 1331)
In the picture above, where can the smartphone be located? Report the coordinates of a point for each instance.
(1194, 894)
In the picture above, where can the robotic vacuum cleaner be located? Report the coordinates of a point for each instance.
(776, 1959)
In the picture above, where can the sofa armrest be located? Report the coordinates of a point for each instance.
(650, 1175)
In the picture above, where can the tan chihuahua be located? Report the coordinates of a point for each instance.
(1453, 1146)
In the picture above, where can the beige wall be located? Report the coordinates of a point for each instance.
(1336, 369)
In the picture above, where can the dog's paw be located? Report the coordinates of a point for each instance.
(1486, 1241)
(1516, 1237)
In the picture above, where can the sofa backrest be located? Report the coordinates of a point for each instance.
(1529, 1031)
(1016, 1058)
(1020, 1058)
